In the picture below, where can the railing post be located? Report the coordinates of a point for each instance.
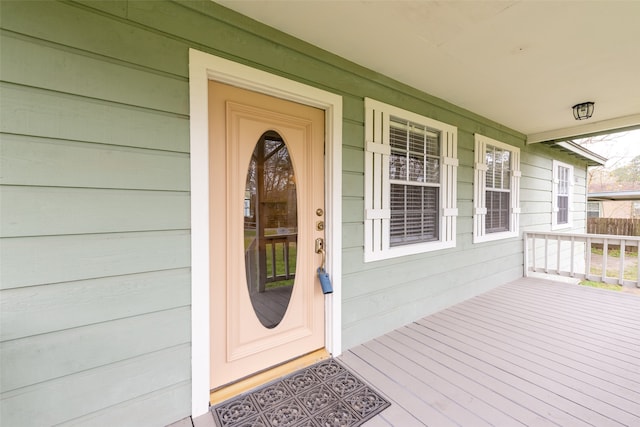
(533, 252)
(638, 264)
(526, 255)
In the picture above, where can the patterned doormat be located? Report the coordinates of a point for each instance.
(326, 394)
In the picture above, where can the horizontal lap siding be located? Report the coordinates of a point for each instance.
(95, 278)
(95, 203)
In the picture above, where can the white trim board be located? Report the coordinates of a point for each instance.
(202, 68)
(610, 125)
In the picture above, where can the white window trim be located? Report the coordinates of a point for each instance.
(554, 195)
(202, 68)
(479, 191)
(377, 202)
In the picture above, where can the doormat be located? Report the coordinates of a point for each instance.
(326, 394)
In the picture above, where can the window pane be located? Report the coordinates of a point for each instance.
(563, 210)
(397, 166)
(433, 144)
(416, 141)
(397, 136)
(490, 178)
(497, 218)
(433, 170)
(416, 168)
(414, 214)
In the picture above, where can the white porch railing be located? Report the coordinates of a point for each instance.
(570, 255)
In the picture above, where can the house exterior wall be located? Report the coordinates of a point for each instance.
(95, 250)
(618, 209)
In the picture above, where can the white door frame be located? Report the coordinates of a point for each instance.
(202, 68)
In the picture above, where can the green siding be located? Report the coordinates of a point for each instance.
(68, 305)
(37, 161)
(95, 249)
(95, 219)
(42, 113)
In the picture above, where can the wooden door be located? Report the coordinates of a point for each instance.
(267, 211)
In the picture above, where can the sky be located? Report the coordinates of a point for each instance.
(619, 148)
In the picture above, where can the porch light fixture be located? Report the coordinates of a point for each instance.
(583, 111)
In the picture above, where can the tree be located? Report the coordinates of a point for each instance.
(629, 173)
(603, 178)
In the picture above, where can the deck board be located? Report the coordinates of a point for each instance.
(532, 352)
(555, 365)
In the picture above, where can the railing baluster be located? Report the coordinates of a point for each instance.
(526, 255)
(573, 252)
(558, 249)
(274, 273)
(546, 253)
(605, 255)
(587, 259)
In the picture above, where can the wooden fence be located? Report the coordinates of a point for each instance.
(614, 226)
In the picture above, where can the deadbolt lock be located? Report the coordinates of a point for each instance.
(319, 212)
(320, 225)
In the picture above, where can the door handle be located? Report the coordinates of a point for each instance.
(320, 250)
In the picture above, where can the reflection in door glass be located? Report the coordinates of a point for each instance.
(270, 229)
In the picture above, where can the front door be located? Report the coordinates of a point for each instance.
(267, 214)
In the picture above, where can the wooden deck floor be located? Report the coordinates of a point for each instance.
(532, 352)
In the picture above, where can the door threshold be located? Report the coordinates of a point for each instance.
(228, 391)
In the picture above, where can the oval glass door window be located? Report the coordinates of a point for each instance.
(270, 229)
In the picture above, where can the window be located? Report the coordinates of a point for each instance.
(562, 190)
(496, 190)
(410, 183)
(593, 209)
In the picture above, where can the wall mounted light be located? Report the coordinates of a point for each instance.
(583, 110)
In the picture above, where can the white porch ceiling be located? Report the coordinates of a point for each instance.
(523, 64)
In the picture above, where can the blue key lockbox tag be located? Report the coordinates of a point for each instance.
(325, 281)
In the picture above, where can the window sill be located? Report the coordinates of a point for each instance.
(400, 251)
(490, 237)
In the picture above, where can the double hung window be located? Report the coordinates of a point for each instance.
(496, 190)
(562, 191)
(414, 178)
(410, 173)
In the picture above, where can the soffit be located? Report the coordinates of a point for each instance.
(520, 63)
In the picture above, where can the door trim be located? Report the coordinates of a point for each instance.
(202, 68)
